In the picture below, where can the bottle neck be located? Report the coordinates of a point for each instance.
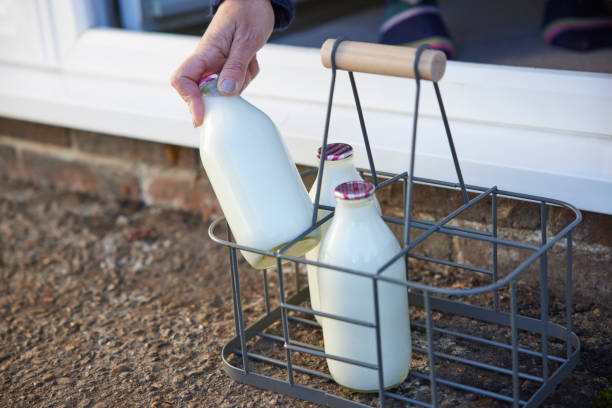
(334, 173)
(356, 208)
(210, 89)
(334, 164)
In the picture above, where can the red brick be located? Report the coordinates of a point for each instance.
(518, 214)
(7, 158)
(434, 203)
(184, 195)
(35, 132)
(104, 181)
(129, 188)
(134, 150)
(308, 180)
(592, 275)
(594, 228)
(434, 200)
(437, 245)
(73, 177)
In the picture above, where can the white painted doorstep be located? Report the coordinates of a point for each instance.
(534, 131)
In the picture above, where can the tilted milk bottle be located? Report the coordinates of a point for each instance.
(359, 239)
(258, 187)
(339, 168)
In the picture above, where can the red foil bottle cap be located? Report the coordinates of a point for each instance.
(208, 78)
(208, 85)
(354, 190)
(336, 151)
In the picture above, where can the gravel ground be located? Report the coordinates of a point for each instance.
(106, 304)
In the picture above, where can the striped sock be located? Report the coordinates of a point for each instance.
(415, 22)
(577, 24)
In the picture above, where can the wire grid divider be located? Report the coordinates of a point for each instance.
(429, 297)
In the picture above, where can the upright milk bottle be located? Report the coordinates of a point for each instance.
(339, 168)
(359, 239)
(258, 187)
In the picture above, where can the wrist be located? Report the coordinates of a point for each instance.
(283, 9)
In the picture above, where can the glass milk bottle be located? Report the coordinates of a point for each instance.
(258, 187)
(358, 238)
(339, 168)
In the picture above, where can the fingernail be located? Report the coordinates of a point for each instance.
(228, 86)
(194, 124)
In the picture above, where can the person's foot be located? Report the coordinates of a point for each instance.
(415, 22)
(577, 24)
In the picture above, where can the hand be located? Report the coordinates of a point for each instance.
(237, 31)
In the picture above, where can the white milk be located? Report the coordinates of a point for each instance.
(339, 168)
(258, 187)
(358, 238)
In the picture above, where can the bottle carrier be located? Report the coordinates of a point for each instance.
(469, 344)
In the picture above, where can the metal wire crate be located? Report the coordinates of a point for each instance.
(281, 351)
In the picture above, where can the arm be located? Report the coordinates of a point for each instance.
(283, 12)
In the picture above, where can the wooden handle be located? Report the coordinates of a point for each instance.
(384, 59)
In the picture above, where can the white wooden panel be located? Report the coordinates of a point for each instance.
(574, 168)
(24, 26)
(70, 18)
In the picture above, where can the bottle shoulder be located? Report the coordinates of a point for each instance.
(232, 119)
(361, 242)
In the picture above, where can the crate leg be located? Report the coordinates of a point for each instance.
(494, 222)
(544, 294)
(281, 285)
(515, 361)
(238, 306)
(297, 277)
(568, 295)
(266, 291)
(381, 381)
(431, 352)
(234, 300)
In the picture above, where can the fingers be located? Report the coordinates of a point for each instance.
(252, 71)
(185, 81)
(254, 67)
(235, 70)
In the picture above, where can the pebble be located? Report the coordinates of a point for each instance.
(178, 379)
(64, 380)
(159, 345)
(48, 377)
(194, 373)
(120, 368)
(84, 403)
(121, 221)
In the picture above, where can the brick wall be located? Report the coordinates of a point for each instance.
(108, 166)
(170, 176)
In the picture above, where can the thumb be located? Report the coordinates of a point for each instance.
(231, 78)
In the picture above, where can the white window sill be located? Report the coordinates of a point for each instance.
(534, 131)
